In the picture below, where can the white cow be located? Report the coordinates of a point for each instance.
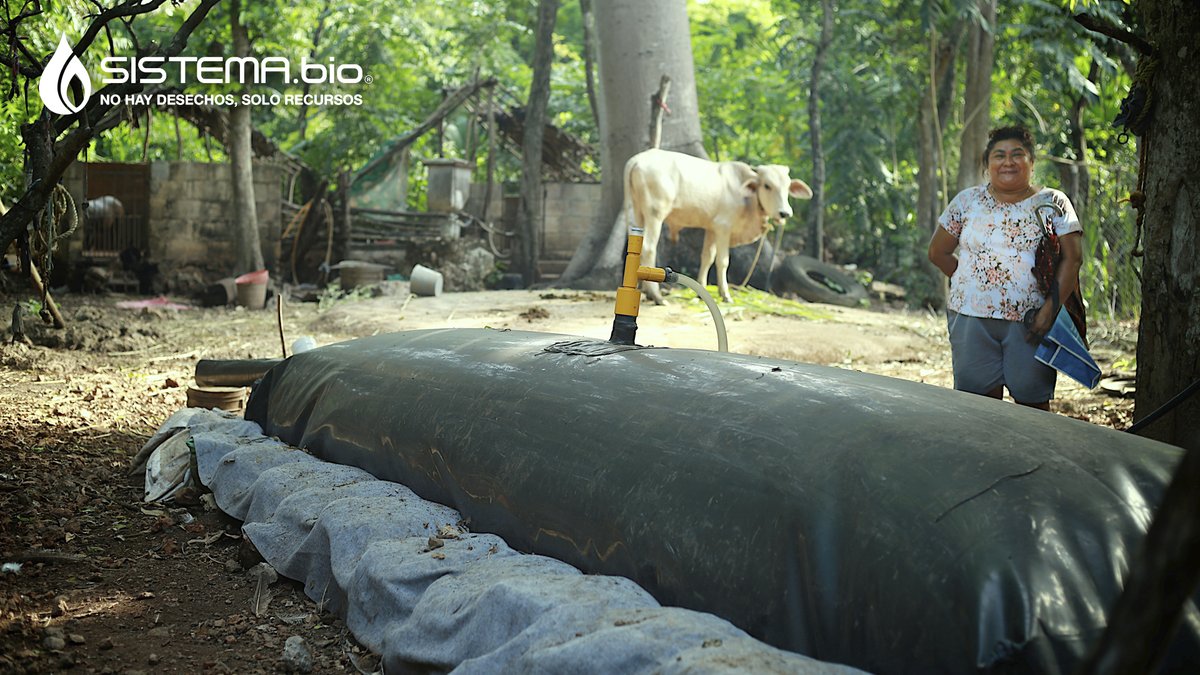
(730, 201)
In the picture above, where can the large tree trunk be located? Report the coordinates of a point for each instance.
(816, 209)
(931, 123)
(589, 57)
(977, 97)
(638, 43)
(1169, 335)
(1164, 573)
(241, 165)
(927, 191)
(529, 218)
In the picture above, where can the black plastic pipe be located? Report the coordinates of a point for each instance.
(232, 372)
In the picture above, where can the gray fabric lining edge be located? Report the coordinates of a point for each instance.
(369, 550)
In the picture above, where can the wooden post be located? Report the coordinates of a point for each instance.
(491, 158)
(441, 128)
(40, 287)
(658, 105)
(343, 236)
(471, 124)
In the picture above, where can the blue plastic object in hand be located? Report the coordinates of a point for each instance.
(1063, 350)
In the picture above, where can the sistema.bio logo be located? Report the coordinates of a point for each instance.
(64, 69)
(65, 85)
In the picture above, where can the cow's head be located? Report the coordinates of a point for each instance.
(772, 186)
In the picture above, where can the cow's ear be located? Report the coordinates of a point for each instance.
(799, 189)
(750, 186)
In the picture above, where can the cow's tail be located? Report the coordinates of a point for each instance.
(632, 174)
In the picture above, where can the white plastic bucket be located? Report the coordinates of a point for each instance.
(425, 281)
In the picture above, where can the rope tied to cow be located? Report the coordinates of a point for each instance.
(758, 251)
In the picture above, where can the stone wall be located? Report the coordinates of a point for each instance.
(191, 214)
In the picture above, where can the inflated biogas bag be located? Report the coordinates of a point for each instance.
(859, 519)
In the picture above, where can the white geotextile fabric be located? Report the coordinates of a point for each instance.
(473, 605)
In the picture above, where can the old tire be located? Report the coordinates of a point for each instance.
(816, 281)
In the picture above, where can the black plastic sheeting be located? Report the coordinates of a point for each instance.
(881, 523)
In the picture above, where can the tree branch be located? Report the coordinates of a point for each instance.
(1102, 26)
(54, 158)
(18, 47)
(23, 70)
(28, 14)
(177, 45)
(447, 106)
(126, 9)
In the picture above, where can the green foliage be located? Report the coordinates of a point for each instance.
(752, 300)
(412, 52)
(127, 143)
(1042, 73)
(753, 67)
(11, 150)
(333, 294)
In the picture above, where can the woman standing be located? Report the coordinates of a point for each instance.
(996, 228)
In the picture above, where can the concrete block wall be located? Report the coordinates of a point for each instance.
(570, 210)
(191, 214)
(496, 205)
(73, 180)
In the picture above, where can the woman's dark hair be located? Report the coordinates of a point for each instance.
(1015, 132)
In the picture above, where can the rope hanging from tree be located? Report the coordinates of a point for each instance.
(60, 206)
(1136, 109)
(1135, 116)
(1137, 199)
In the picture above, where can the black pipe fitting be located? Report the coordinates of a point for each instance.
(624, 330)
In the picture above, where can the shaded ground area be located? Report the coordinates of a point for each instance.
(108, 584)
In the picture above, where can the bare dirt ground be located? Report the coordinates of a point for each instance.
(108, 584)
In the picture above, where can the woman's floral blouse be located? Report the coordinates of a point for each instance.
(996, 247)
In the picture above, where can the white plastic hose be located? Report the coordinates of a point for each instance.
(718, 320)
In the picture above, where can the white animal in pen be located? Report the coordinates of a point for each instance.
(731, 201)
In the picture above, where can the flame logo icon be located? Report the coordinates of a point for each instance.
(64, 68)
